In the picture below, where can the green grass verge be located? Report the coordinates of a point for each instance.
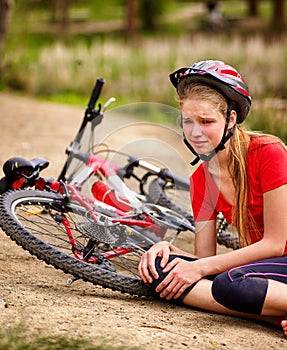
(18, 339)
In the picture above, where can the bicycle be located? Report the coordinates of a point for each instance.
(96, 239)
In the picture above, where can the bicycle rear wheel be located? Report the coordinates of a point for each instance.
(62, 234)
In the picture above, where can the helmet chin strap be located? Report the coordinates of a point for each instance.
(219, 147)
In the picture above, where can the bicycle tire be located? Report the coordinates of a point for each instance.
(157, 194)
(29, 217)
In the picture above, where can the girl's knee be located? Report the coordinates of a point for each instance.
(153, 285)
(155, 282)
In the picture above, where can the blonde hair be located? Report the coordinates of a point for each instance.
(237, 167)
(237, 156)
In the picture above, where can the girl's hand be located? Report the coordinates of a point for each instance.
(182, 274)
(147, 263)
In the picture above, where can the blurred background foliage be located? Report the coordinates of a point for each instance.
(55, 49)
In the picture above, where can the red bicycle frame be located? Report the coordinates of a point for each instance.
(75, 195)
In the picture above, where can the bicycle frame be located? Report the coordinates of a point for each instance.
(114, 186)
(116, 192)
(89, 204)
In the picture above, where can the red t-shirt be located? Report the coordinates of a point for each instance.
(266, 164)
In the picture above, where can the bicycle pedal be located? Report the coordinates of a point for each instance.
(34, 210)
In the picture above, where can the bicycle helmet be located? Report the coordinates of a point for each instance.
(227, 81)
(220, 76)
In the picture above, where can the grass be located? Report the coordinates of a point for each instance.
(18, 339)
(269, 120)
(137, 72)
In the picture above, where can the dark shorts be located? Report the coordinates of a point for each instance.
(242, 288)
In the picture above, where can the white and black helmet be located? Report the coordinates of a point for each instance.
(227, 81)
(220, 76)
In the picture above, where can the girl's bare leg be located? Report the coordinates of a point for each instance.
(276, 299)
(276, 302)
(201, 297)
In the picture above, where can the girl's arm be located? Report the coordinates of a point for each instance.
(162, 249)
(205, 239)
(205, 245)
(271, 245)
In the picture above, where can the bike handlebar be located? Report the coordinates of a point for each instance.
(96, 93)
(163, 173)
(84, 157)
(168, 176)
(127, 171)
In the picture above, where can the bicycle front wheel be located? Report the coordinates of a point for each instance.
(62, 234)
(177, 198)
(172, 197)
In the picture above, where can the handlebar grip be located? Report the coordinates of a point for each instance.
(180, 182)
(96, 93)
(127, 170)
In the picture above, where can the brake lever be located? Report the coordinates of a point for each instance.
(106, 105)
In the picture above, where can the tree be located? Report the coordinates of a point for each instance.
(253, 7)
(5, 9)
(278, 15)
(150, 12)
(132, 18)
(278, 19)
(60, 12)
(144, 15)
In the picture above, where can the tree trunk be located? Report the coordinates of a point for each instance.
(60, 12)
(132, 18)
(5, 9)
(278, 19)
(150, 12)
(253, 6)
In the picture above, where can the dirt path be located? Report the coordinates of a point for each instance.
(37, 295)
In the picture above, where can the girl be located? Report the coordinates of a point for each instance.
(244, 176)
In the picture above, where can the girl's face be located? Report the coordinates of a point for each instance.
(203, 125)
